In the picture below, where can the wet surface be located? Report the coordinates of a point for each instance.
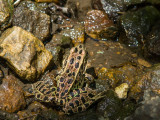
(120, 37)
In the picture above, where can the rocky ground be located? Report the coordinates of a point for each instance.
(122, 39)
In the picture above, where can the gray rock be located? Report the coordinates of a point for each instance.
(150, 108)
(137, 24)
(33, 21)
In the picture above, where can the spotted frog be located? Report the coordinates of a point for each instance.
(72, 92)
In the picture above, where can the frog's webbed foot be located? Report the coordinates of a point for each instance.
(80, 99)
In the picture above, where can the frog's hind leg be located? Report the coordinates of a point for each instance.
(44, 91)
(80, 99)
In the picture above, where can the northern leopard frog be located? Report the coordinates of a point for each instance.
(72, 91)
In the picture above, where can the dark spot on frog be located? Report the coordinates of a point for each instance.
(45, 98)
(71, 104)
(70, 74)
(79, 109)
(73, 73)
(58, 89)
(53, 89)
(48, 92)
(70, 81)
(61, 102)
(41, 87)
(78, 91)
(72, 94)
(83, 100)
(76, 65)
(62, 94)
(66, 91)
(79, 57)
(77, 102)
(38, 95)
(70, 111)
(44, 90)
(61, 79)
(62, 85)
(80, 52)
(90, 95)
(71, 60)
(67, 71)
(76, 50)
(86, 105)
(80, 46)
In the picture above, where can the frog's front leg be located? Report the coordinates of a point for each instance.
(80, 99)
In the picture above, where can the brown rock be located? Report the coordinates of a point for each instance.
(5, 12)
(98, 25)
(25, 54)
(11, 94)
(33, 21)
(80, 7)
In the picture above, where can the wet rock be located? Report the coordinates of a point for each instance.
(98, 25)
(155, 2)
(108, 54)
(153, 42)
(25, 54)
(39, 7)
(32, 20)
(137, 25)
(56, 46)
(122, 90)
(150, 79)
(76, 33)
(113, 7)
(11, 94)
(149, 110)
(8, 116)
(1, 76)
(113, 108)
(80, 8)
(37, 111)
(114, 77)
(6, 9)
